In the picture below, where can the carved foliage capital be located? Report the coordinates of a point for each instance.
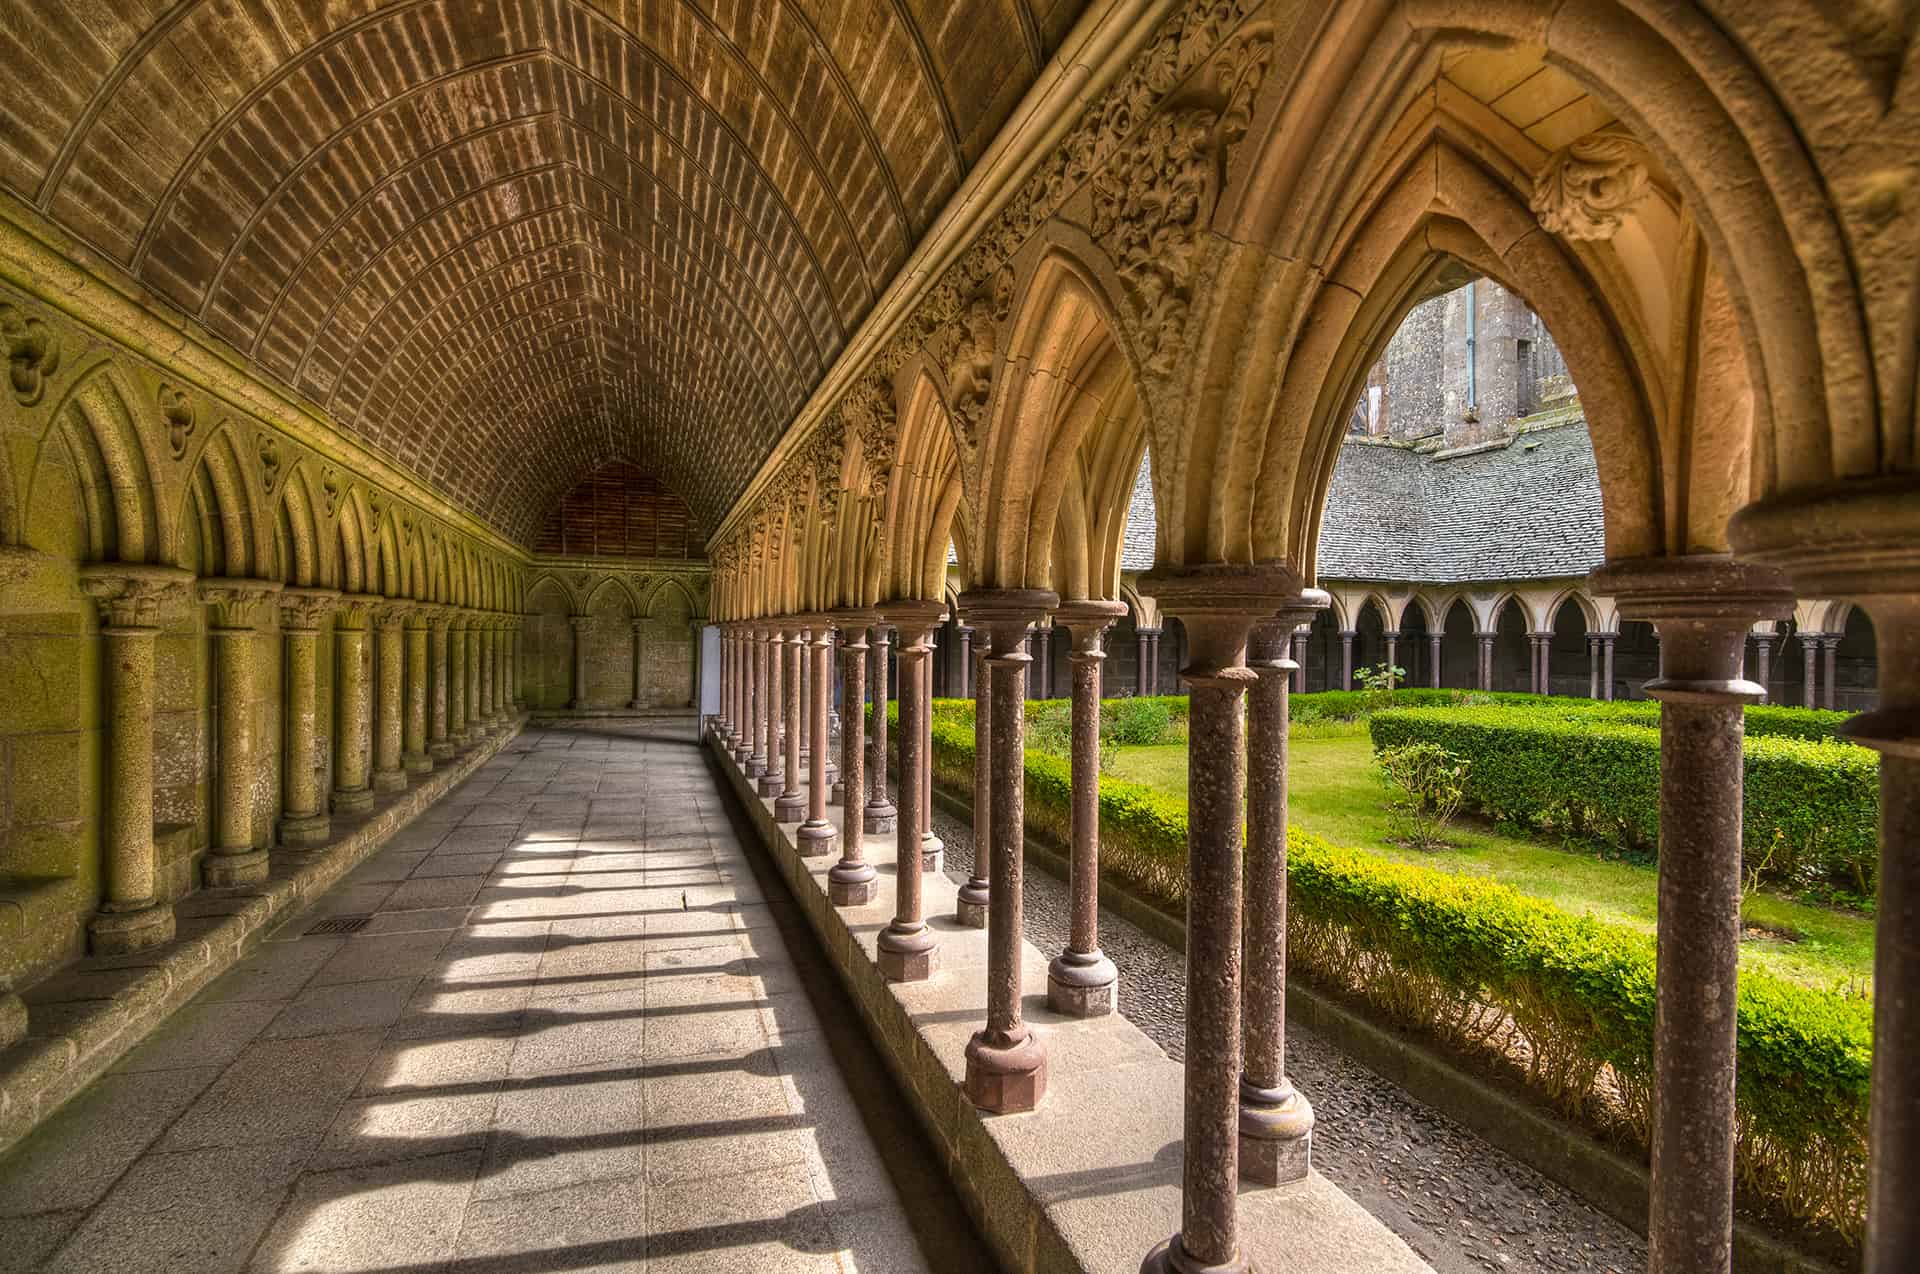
(1588, 186)
(306, 609)
(239, 603)
(134, 596)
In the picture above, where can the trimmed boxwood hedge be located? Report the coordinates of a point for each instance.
(1811, 814)
(1482, 966)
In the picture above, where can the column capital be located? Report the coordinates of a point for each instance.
(390, 613)
(304, 609)
(353, 610)
(1857, 539)
(438, 616)
(239, 605)
(1219, 604)
(916, 619)
(1007, 614)
(1701, 588)
(131, 594)
(1087, 623)
(579, 622)
(638, 623)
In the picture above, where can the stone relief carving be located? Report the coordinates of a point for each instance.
(973, 345)
(33, 353)
(1588, 186)
(269, 451)
(330, 490)
(176, 409)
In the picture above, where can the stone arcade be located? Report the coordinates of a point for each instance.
(376, 373)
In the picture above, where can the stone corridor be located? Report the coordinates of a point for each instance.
(565, 1034)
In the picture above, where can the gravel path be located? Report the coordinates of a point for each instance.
(1463, 1205)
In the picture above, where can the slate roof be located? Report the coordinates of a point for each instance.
(1529, 510)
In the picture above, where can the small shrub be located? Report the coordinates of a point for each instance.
(1135, 723)
(1428, 783)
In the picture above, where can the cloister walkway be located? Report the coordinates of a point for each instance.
(568, 1035)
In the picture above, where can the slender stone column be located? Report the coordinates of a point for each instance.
(1392, 637)
(353, 719)
(490, 707)
(639, 699)
(908, 950)
(970, 906)
(800, 672)
(389, 666)
(304, 820)
(791, 805)
(850, 882)
(457, 735)
(1081, 980)
(1143, 671)
(697, 633)
(757, 652)
(881, 815)
(1830, 647)
(831, 732)
(440, 745)
(1606, 657)
(742, 734)
(772, 782)
(1219, 606)
(1763, 651)
(933, 850)
(238, 606)
(815, 836)
(580, 624)
(1704, 607)
(131, 916)
(723, 719)
(1810, 669)
(502, 698)
(1433, 660)
(514, 625)
(1156, 661)
(965, 671)
(1346, 658)
(1486, 659)
(1276, 1122)
(414, 757)
(476, 723)
(1300, 661)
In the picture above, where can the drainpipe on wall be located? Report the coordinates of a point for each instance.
(1473, 356)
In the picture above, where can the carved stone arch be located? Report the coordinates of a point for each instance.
(617, 587)
(1066, 378)
(387, 573)
(923, 496)
(1511, 597)
(668, 585)
(356, 570)
(1589, 609)
(302, 554)
(217, 499)
(1146, 609)
(100, 426)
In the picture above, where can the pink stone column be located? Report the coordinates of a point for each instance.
(907, 949)
(1300, 662)
(1143, 669)
(816, 836)
(1703, 607)
(1830, 647)
(933, 850)
(757, 711)
(1081, 980)
(881, 814)
(237, 608)
(1593, 665)
(850, 882)
(1346, 659)
(1219, 606)
(1276, 1122)
(1606, 659)
(774, 714)
(970, 906)
(1433, 660)
(1809, 668)
(965, 664)
(791, 805)
(1763, 650)
(1006, 1065)
(1486, 659)
(1393, 655)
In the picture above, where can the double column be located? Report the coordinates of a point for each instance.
(790, 805)
(907, 949)
(1081, 980)
(1006, 1065)
(773, 710)
(881, 814)
(131, 598)
(237, 607)
(1703, 608)
(1219, 607)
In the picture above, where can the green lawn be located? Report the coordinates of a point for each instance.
(1334, 794)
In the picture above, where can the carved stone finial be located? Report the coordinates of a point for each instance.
(1588, 186)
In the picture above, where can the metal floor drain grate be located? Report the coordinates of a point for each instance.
(340, 924)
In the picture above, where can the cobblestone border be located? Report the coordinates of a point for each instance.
(114, 1002)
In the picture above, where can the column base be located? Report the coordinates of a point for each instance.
(1276, 1135)
(416, 763)
(354, 800)
(1083, 984)
(837, 794)
(907, 955)
(770, 784)
(306, 830)
(576, 705)
(389, 780)
(816, 839)
(933, 853)
(851, 884)
(441, 751)
(13, 1019)
(755, 767)
(226, 871)
(112, 933)
(635, 705)
(833, 777)
(790, 807)
(1005, 1079)
(970, 906)
(882, 818)
(1170, 1258)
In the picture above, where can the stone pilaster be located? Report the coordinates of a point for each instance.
(304, 820)
(1276, 1122)
(457, 729)
(907, 950)
(1006, 1065)
(131, 598)
(414, 757)
(850, 882)
(1219, 607)
(237, 609)
(440, 744)
(1703, 607)
(1081, 980)
(353, 720)
(389, 668)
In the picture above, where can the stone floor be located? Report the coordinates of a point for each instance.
(566, 1035)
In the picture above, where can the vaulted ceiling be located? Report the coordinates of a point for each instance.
(508, 241)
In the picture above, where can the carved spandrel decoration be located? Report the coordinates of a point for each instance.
(176, 410)
(33, 353)
(1588, 187)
